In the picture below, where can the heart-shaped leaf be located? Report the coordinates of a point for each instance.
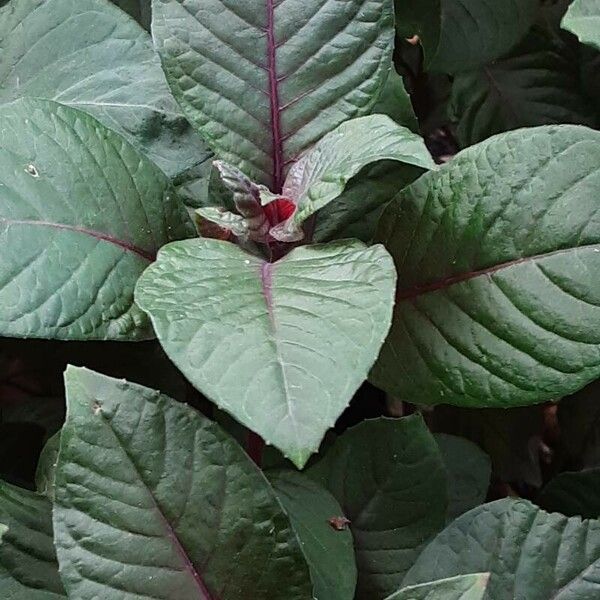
(281, 346)
(535, 84)
(583, 19)
(102, 63)
(529, 553)
(498, 256)
(573, 494)
(82, 214)
(390, 481)
(155, 501)
(28, 565)
(287, 73)
(464, 587)
(326, 541)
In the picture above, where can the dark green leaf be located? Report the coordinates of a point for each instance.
(390, 481)
(394, 101)
(28, 566)
(155, 501)
(329, 551)
(535, 84)
(286, 351)
(46, 468)
(498, 257)
(264, 81)
(460, 35)
(464, 587)
(469, 472)
(573, 494)
(82, 214)
(530, 554)
(86, 54)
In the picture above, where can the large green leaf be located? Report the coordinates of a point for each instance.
(28, 565)
(573, 494)
(389, 478)
(321, 175)
(469, 472)
(464, 587)
(329, 551)
(530, 553)
(281, 346)
(87, 54)
(82, 214)
(583, 19)
(498, 256)
(535, 84)
(155, 501)
(264, 80)
(460, 35)
(395, 102)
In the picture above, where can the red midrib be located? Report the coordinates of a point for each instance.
(419, 290)
(99, 235)
(276, 137)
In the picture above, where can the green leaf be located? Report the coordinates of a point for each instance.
(153, 500)
(394, 101)
(583, 19)
(100, 62)
(469, 472)
(356, 212)
(263, 81)
(509, 437)
(389, 478)
(529, 553)
(460, 35)
(498, 257)
(329, 552)
(322, 174)
(573, 494)
(285, 353)
(464, 587)
(46, 468)
(82, 214)
(535, 84)
(28, 565)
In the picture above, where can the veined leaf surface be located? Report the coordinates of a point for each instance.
(89, 55)
(155, 501)
(498, 257)
(463, 587)
(528, 552)
(82, 214)
(28, 565)
(281, 346)
(263, 80)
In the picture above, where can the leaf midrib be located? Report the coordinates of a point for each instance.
(189, 566)
(414, 292)
(99, 235)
